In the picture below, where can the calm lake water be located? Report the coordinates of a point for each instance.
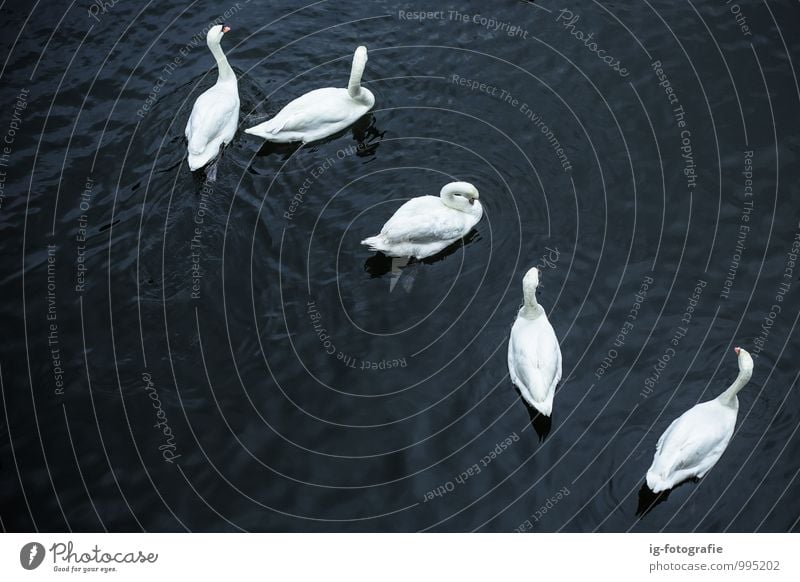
(185, 355)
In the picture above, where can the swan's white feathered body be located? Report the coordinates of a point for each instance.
(322, 112)
(695, 441)
(534, 356)
(212, 124)
(426, 225)
(215, 114)
(691, 445)
(312, 117)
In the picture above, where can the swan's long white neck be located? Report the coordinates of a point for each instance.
(225, 71)
(354, 85)
(531, 308)
(728, 397)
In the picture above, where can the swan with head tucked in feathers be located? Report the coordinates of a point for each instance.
(695, 441)
(322, 112)
(534, 356)
(426, 225)
(215, 114)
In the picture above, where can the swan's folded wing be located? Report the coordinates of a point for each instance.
(424, 219)
(211, 113)
(690, 438)
(665, 435)
(310, 111)
(532, 379)
(537, 369)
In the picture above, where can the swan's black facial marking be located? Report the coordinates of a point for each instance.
(468, 198)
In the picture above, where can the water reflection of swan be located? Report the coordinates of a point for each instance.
(403, 270)
(364, 131)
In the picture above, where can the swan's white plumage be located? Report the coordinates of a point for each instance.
(534, 355)
(426, 225)
(696, 440)
(320, 113)
(215, 114)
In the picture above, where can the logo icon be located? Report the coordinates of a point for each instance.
(31, 555)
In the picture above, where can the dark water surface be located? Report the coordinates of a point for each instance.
(227, 356)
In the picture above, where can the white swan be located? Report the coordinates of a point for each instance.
(425, 225)
(695, 441)
(215, 114)
(534, 356)
(321, 112)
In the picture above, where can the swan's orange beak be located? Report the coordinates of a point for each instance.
(226, 28)
(736, 350)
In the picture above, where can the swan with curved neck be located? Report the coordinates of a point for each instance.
(215, 114)
(459, 196)
(534, 355)
(214, 41)
(322, 112)
(426, 225)
(354, 88)
(696, 440)
(728, 398)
